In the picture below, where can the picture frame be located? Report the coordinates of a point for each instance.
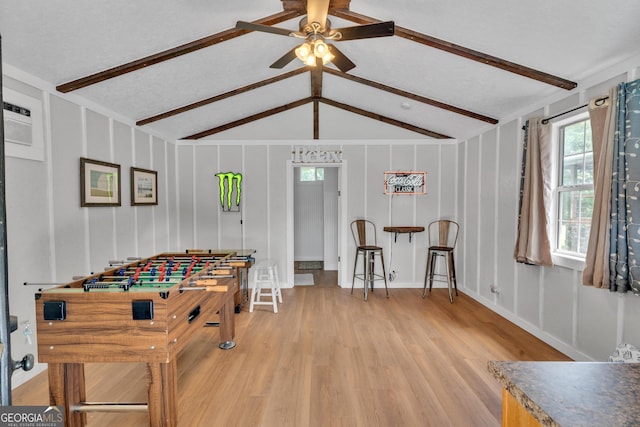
(144, 187)
(99, 183)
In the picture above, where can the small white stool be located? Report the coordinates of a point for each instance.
(265, 275)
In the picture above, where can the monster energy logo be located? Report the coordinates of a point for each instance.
(227, 188)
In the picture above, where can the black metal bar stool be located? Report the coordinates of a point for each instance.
(365, 238)
(443, 235)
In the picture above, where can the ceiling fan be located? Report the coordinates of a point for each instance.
(316, 29)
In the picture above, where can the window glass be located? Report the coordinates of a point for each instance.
(311, 173)
(307, 173)
(576, 207)
(574, 188)
(577, 154)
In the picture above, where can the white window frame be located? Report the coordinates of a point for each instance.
(563, 259)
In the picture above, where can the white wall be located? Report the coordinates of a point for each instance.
(265, 221)
(50, 237)
(583, 322)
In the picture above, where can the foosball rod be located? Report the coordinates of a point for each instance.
(131, 260)
(140, 282)
(187, 260)
(148, 267)
(127, 274)
(42, 284)
(172, 258)
(125, 278)
(210, 288)
(148, 274)
(216, 276)
(109, 407)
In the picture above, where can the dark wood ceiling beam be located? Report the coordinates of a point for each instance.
(220, 97)
(462, 51)
(316, 119)
(250, 119)
(384, 119)
(412, 96)
(316, 79)
(171, 53)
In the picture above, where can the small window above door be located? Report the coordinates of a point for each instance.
(311, 173)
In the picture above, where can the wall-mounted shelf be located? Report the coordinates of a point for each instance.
(403, 230)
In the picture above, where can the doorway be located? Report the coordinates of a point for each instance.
(314, 224)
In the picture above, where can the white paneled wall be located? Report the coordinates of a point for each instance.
(265, 219)
(550, 302)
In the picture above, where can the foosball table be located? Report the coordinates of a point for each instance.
(143, 311)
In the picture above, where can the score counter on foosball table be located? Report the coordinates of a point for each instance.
(145, 311)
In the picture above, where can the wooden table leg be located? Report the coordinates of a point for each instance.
(162, 381)
(227, 322)
(66, 388)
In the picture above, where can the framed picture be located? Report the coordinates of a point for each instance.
(99, 183)
(144, 187)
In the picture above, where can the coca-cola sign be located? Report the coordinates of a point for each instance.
(402, 182)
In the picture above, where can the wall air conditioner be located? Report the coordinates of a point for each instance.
(23, 125)
(17, 124)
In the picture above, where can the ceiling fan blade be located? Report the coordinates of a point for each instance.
(263, 28)
(285, 59)
(380, 29)
(317, 11)
(343, 63)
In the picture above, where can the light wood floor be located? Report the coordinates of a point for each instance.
(330, 359)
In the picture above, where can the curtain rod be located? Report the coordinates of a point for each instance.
(598, 102)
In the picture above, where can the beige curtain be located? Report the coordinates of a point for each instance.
(532, 241)
(602, 115)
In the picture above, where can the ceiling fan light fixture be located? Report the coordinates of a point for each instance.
(327, 57)
(303, 51)
(320, 48)
(307, 52)
(311, 60)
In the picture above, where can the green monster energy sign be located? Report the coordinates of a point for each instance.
(227, 189)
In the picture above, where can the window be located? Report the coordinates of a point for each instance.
(573, 192)
(311, 173)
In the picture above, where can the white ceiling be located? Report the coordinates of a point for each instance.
(63, 40)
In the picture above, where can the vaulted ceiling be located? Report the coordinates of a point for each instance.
(183, 70)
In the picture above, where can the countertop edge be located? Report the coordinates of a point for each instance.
(540, 415)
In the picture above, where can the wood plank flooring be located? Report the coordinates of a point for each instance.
(328, 358)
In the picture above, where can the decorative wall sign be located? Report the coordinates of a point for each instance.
(99, 183)
(230, 191)
(403, 182)
(316, 155)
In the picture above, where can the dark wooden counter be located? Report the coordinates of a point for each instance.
(570, 393)
(403, 229)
